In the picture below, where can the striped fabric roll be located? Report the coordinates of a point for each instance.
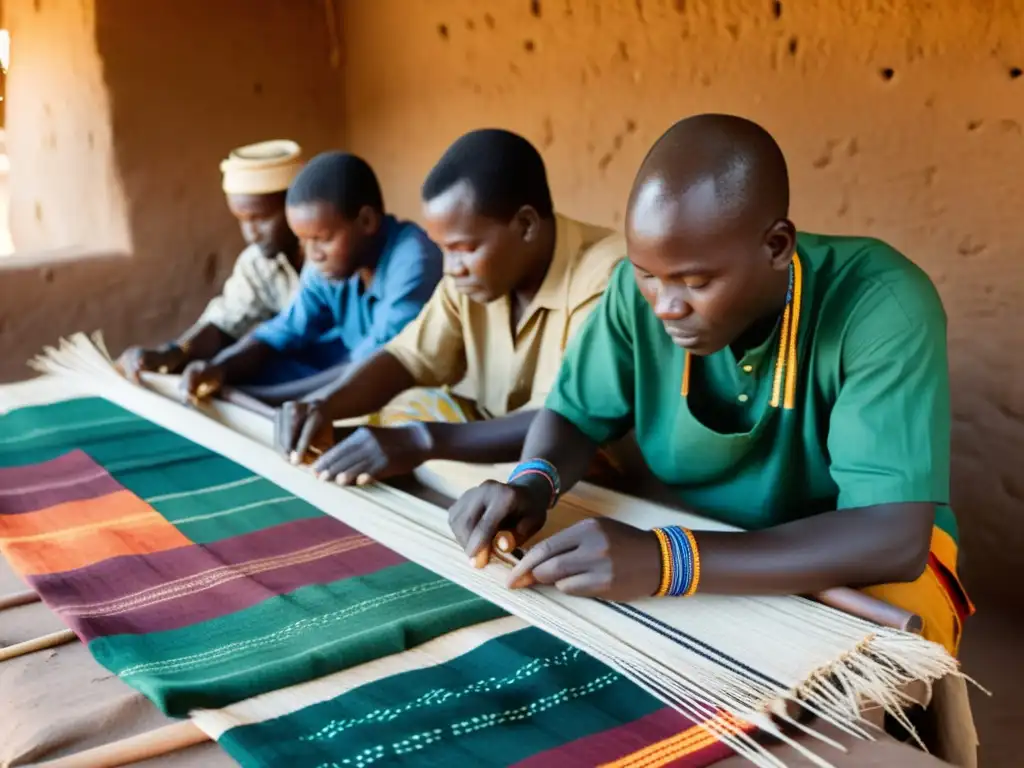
(298, 640)
(498, 693)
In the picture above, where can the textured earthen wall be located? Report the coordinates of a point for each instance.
(900, 119)
(59, 129)
(164, 88)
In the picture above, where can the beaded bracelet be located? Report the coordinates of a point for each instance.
(680, 562)
(539, 467)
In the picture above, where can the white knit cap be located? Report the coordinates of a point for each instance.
(261, 169)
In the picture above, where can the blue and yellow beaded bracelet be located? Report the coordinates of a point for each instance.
(680, 562)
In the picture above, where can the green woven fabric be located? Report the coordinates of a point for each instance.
(275, 626)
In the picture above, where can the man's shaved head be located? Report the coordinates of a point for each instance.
(707, 221)
(719, 164)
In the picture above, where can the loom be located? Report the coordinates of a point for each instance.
(755, 659)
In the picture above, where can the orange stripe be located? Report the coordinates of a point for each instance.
(694, 734)
(70, 514)
(673, 748)
(683, 750)
(684, 388)
(131, 527)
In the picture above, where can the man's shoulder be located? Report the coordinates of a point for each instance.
(409, 238)
(250, 259)
(860, 276)
(600, 251)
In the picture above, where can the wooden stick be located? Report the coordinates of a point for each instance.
(19, 598)
(227, 394)
(248, 402)
(134, 749)
(871, 609)
(51, 640)
(843, 599)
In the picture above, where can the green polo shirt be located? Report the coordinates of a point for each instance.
(871, 423)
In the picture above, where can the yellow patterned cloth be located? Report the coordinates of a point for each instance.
(420, 404)
(937, 596)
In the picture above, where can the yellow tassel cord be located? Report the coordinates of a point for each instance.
(786, 358)
(780, 358)
(791, 366)
(684, 389)
(783, 387)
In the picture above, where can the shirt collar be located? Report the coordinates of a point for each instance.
(390, 225)
(285, 265)
(554, 289)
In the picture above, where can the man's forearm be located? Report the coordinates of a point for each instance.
(275, 394)
(849, 548)
(365, 387)
(244, 360)
(556, 439)
(483, 442)
(203, 343)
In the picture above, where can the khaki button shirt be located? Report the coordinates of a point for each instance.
(469, 346)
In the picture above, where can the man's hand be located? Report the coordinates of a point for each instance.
(135, 360)
(481, 512)
(200, 380)
(598, 557)
(296, 427)
(375, 453)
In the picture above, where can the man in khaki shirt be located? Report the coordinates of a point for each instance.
(463, 380)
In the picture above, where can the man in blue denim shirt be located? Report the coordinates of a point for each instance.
(367, 275)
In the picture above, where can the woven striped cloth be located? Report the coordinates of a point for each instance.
(292, 637)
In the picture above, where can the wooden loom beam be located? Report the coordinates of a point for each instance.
(134, 749)
(844, 599)
(52, 640)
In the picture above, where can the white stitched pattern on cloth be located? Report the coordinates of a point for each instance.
(416, 742)
(214, 577)
(335, 728)
(209, 489)
(32, 434)
(214, 655)
(232, 510)
(92, 474)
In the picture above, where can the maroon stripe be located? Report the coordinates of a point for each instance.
(616, 743)
(122, 577)
(71, 477)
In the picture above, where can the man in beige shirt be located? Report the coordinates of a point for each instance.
(266, 274)
(463, 380)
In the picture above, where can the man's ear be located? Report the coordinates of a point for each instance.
(368, 220)
(527, 222)
(780, 244)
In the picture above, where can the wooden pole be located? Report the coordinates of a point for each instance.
(51, 640)
(18, 598)
(134, 749)
(871, 609)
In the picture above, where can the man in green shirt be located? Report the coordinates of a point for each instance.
(793, 385)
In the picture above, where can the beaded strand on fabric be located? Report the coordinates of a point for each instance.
(783, 387)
